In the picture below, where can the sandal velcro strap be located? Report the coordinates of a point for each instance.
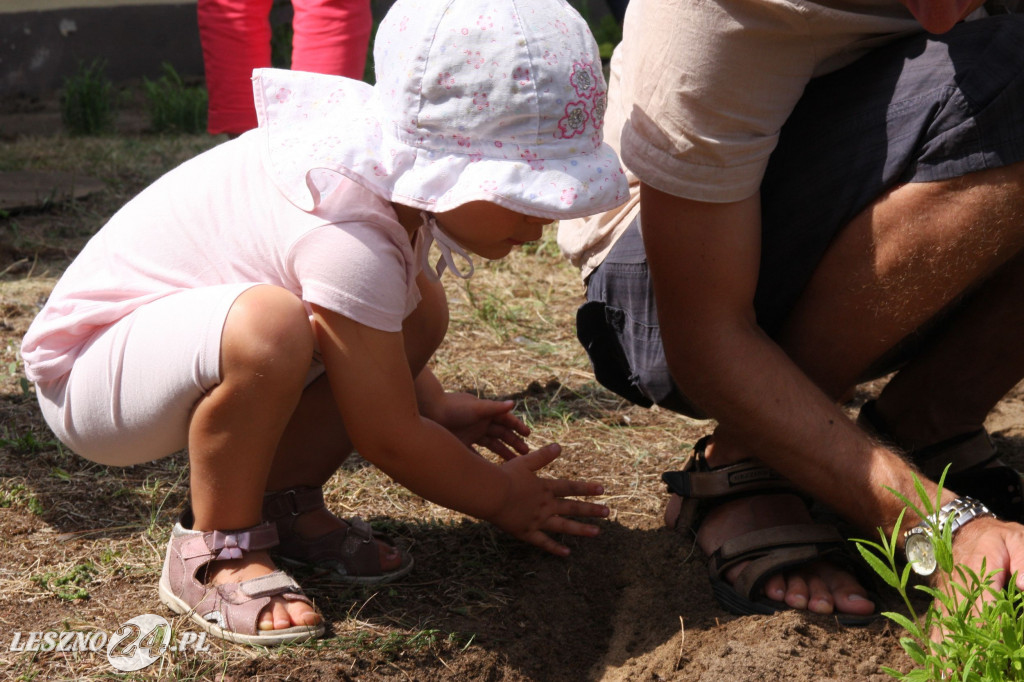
(771, 550)
(269, 585)
(292, 502)
(743, 478)
(351, 553)
(702, 488)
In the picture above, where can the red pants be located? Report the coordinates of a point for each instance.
(330, 36)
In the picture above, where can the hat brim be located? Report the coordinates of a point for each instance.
(320, 128)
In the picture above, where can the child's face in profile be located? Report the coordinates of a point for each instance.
(490, 230)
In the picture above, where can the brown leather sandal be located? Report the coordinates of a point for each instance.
(698, 488)
(230, 611)
(974, 469)
(349, 554)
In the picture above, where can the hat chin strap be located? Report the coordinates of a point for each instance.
(446, 245)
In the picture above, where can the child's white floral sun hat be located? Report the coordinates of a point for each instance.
(499, 101)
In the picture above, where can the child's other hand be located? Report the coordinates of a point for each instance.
(536, 505)
(487, 423)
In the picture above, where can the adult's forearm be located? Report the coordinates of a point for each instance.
(704, 260)
(773, 411)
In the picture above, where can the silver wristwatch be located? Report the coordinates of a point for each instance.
(918, 540)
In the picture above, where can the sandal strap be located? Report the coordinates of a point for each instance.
(748, 477)
(351, 551)
(269, 585)
(221, 545)
(236, 607)
(702, 488)
(292, 502)
(771, 550)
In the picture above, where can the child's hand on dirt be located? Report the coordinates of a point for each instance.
(536, 506)
(487, 423)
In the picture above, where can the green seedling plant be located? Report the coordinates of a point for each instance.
(174, 106)
(68, 586)
(971, 631)
(85, 105)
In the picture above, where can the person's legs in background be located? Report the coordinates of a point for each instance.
(235, 35)
(331, 36)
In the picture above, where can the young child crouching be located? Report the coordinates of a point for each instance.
(269, 305)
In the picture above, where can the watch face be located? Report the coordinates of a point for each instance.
(921, 553)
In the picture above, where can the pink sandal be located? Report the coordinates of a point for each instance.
(349, 554)
(230, 611)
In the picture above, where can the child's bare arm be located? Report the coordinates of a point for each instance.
(474, 421)
(376, 395)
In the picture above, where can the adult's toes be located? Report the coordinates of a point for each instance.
(821, 598)
(849, 595)
(775, 587)
(797, 592)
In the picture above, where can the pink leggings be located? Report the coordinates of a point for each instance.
(330, 36)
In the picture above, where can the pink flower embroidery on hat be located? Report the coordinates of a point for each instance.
(462, 140)
(521, 74)
(474, 59)
(550, 57)
(447, 80)
(600, 107)
(282, 94)
(575, 119)
(569, 196)
(531, 158)
(484, 22)
(480, 101)
(582, 79)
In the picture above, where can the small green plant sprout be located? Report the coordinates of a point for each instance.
(85, 105)
(24, 444)
(174, 106)
(68, 586)
(971, 631)
(17, 495)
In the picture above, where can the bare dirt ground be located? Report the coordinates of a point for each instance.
(81, 545)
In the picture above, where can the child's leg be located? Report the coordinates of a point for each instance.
(315, 442)
(219, 369)
(266, 348)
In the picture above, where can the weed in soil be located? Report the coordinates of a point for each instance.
(86, 104)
